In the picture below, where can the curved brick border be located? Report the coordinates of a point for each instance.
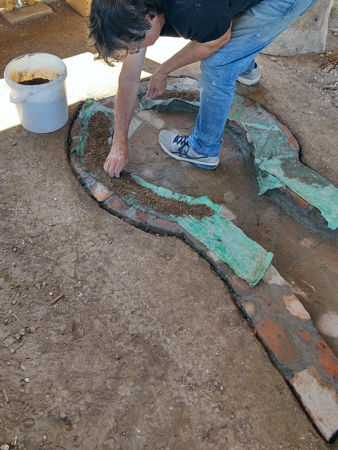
(279, 319)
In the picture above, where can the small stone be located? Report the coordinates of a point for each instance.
(117, 357)
(12, 350)
(4, 447)
(26, 380)
(27, 330)
(13, 302)
(33, 329)
(18, 336)
(273, 59)
(22, 332)
(8, 363)
(6, 321)
(15, 249)
(14, 144)
(221, 388)
(63, 416)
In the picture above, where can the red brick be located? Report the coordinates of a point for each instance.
(163, 226)
(117, 204)
(297, 199)
(248, 103)
(239, 285)
(141, 216)
(108, 102)
(276, 340)
(75, 161)
(327, 359)
(269, 304)
(100, 192)
(305, 335)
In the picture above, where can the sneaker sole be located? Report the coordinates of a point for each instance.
(248, 82)
(202, 166)
(209, 166)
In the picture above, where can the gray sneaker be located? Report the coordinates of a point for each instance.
(177, 147)
(250, 78)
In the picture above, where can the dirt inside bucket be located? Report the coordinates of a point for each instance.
(96, 153)
(35, 81)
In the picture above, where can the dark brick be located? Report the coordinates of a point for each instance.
(327, 359)
(158, 225)
(270, 304)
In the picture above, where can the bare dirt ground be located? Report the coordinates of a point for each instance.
(114, 338)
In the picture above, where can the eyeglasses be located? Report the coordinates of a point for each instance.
(132, 52)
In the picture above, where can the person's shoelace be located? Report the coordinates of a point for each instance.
(184, 149)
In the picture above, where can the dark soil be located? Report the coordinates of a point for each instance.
(35, 81)
(96, 153)
(192, 96)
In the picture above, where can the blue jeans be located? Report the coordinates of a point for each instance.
(252, 31)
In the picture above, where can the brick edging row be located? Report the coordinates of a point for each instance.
(276, 315)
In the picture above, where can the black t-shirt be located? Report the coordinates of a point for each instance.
(201, 20)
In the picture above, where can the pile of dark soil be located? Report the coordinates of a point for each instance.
(96, 153)
(35, 81)
(188, 96)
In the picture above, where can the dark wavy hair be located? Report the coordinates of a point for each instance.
(113, 21)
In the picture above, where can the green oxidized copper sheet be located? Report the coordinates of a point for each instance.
(228, 242)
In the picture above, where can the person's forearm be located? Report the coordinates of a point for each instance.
(129, 83)
(192, 52)
(124, 107)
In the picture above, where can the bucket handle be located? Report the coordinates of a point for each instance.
(21, 98)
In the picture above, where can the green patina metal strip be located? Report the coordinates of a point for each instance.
(229, 243)
(308, 184)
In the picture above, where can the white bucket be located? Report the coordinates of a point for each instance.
(42, 108)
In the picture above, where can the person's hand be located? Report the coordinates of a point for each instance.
(157, 84)
(117, 159)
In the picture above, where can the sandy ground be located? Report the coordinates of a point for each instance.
(114, 338)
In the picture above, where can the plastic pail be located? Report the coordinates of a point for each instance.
(42, 108)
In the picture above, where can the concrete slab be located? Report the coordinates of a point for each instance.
(308, 34)
(27, 13)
